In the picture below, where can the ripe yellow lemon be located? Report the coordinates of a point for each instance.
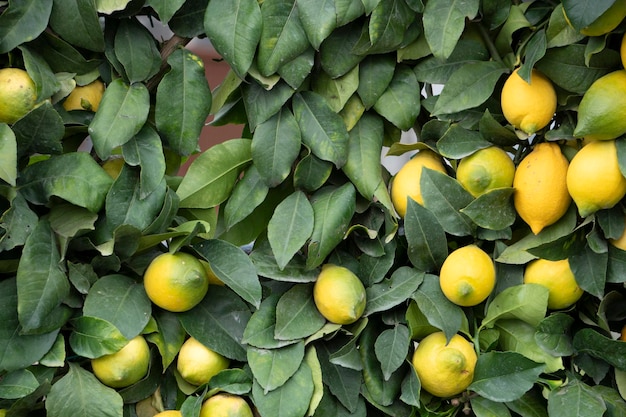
(444, 368)
(607, 21)
(541, 197)
(558, 278)
(18, 94)
(594, 179)
(602, 110)
(339, 294)
(169, 413)
(124, 367)
(225, 405)
(528, 107)
(197, 364)
(467, 276)
(406, 182)
(86, 97)
(485, 170)
(176, 281)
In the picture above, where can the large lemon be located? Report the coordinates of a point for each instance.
(176, 281)
(528, 107)
(124, 367)
(467, 276)
(18, 94)
(594, 179)
(541, 197)
(225, 405)
(558, 278)
(444, 368)
(339, 295)
(197, 364)
(485, 170)
(86, 97)
(406, 183)
(602, 110)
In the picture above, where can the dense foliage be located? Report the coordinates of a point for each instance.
(322, 87)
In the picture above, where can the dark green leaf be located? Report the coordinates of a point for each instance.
(165, 8)
(400, 102)
(426, 239)
(581, 13)
(609, 350)
(17, 223)
(344, 383)
(388, 24)
(392, 348)
(590, 270)
(318, 20)
(39, 131)
(375, 74)
(439, 311)
(18, 384)
(273, 367)
(189, 20)
(136, 50)
(46, 83)
(535, 50)
(249, 192)
(8, 154)
(290, 399)
(296, 314)
(458, 142)
(61, 56)
(493, 210)
(311, 173)
(553, 334)
(444, 21)
(169, 337)
(145, 150)
(298, 69)
(23, 21)
(262, 104)
(494, 132)
(394, 290)
(337, 54)
(484, 407)
(77, 22)
(337, 91)
(259, 331)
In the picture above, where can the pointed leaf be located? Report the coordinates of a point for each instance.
(262, 104)
(212, 175)
(290, 399)
(84, 30)
(290, 227)
(337, 52)
(136, 50)
(589, 269)
(122, 112)
(322, 129)
(249, 192)
(444, 22)
(391, 348)
(234, 27)
(459, 142)
(426, 239)
(146, 151)
(46, 82)
(183, 101)
(553, 334)
(492, 210)
(170, 336)
(575, 399)
(527, 302)
(273, 367)
(296, 314)
(388, 26)
(259, 331)
(8, 154)
(93, 337)
(165, 8)
(344, 383)
(400, 102)
(593, 343)
(337, 91)
(23, 21)
(375, 74)
(17, 223)
(439, 311)
(484, 407)
(394, 290)
(582, 13)
(318, 19)
(40, 131)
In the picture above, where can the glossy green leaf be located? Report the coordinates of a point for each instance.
(375, 74)
(444, 22)
(318, 20)
(218, 322)
(8, 154)
(84, 29)
(437, 71)
(121, 301)
(469, 86)
(93, 337)
(275, 147)
(311, 173)
(273, 367)
(599, 346)
(581, 13)
(262, 104)
(387, 26)
(39, 131)
(183, 102)
(392, 348)
(234, 28)
(494, 132)
(458, 142)
(18, 384)
(589, 269)
(333, 208)
(259, 331)
(79, 393)
(110, 6)
(531, 403)
(393, 291)
(188, 21)
(23, 21)
(123, 111)
(165, 8)
(559, 31)
(146, 151)
(295, 271)
(323, 130)
(212, 175)
(296, 314)
(337, 55)
(290, 399)
(20, 350)
(400, 102)
(504, 376)
(296, 71)
(410, 389)
(290, 227)
(233, 380)
(439, 311)
(136, 50)
(528, 302)
(426, 239)
(249, 192)
(553, 334)
(493, 210)
(575, 398)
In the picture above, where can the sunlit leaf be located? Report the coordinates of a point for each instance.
(526, 302)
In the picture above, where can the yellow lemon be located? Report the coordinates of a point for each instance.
(169, 413)
(602, 110)
(541, 197)
(558, 278)
(18, 94)
(339, 294)
(225, 405)
(485, 170)
(176, 281)
(444, 368)
(406, 183)
(467, 276)
(528, 107)
(607, 21)
(86, 97)
(197, 364)
(124, 367)
(594, 179)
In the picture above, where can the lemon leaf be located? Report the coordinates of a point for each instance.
(94, 337)
(582, 13)
(400, 102)
(575, 397)
(485, 407)
(599, 346)
(296, 314)
(590, 270)
(528, 302)
(375, 74)
(8, 154)
(444, 22)
(492, 210)
(259, 331)
(290, 399)
(337, 52)
(394, 290)
(344, 383)
(318, 20)
(249, 192)
(553, 334)
(165, 8)
(439, 311)
(261, 104)
(84, 32)
(273, 367)
(23, 21)
(391, 348)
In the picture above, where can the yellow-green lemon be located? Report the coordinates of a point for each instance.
(18, 94)
(124, 367)
(339, 295)
(225, 405)
(467, 276)
(558, 278)
(485, 170)
(197, 364)
(594, 179)
(541, 197)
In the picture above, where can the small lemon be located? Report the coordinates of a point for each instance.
(485, 170)
(541, 197)
(225, 405)
(528, 107)
(176, 281)
(558, 278)
(86, 97)
(197, 364)
(444, 368)
(467, 276)
(169, 413)
(124, 367)
(339, 294)
(602, 110)
(406, 183)
(594, 179)
(18, 94)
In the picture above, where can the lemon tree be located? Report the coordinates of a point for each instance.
(384, 138)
